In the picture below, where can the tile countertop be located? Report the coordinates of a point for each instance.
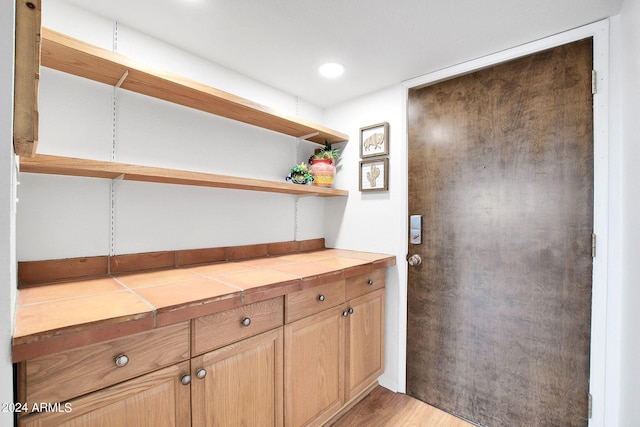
(60, 316)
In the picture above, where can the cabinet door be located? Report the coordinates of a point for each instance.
(365, 342)
(154, 399)
(242, 383)
(314, 367)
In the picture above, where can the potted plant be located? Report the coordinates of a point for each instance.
(323, 165)
(300, 174)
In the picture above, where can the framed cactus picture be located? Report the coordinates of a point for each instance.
(374, 175)
(374, 140)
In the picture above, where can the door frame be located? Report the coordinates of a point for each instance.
(603, 369)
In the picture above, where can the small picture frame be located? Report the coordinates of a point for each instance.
(374, 175)
(374, 140)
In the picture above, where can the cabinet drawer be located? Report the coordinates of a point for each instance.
(313, 300)
(365, 283)
(220, 329)
(61, 376)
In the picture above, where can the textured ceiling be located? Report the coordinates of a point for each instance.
(380, 42)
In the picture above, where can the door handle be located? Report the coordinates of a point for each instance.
(414, 259)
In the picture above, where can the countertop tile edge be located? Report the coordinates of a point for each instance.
(22, 351)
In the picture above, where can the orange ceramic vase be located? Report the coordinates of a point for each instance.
(323, 171)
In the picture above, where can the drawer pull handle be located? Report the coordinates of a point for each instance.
(186, 379)
(201, 373)
(321, 298)
(121, 360)
(369, 282)
(246, 321)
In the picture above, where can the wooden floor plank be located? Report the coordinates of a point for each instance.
(384, 408)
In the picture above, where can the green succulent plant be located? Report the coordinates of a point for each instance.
(327, 152)
(300, 174)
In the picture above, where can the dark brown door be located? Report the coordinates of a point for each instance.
(501, 168)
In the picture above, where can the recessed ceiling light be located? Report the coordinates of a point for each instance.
(331, 70)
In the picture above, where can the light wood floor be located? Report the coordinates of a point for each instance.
(386, 408)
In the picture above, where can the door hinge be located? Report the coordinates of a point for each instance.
(594, 82)
(590, 406)
(593, 245)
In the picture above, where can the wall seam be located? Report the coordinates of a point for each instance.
(114, 139)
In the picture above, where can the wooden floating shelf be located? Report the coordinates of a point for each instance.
(75, 57)
(57, 165)
(26, 78)
(57, 51)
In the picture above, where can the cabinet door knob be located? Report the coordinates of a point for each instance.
(370, 282)
(122, 360)
(201, 373)
(345, 313)
(186, 379)
(321, 297)
(246, 321)
(350, 310)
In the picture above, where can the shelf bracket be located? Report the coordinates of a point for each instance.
(119, 177)
(122, 79)
(309, 135)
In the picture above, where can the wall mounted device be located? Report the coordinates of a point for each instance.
(415, 229)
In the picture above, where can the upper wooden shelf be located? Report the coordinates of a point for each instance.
(72, 56)
(58, 165)
(26, 78)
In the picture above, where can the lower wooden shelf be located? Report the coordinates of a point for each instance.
(58, 165)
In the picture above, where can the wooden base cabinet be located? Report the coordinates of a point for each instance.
(314, 368)
(243, 367)
(240, 384)
(158, 399)
(237, 385)
(332, 357)
(365, 343)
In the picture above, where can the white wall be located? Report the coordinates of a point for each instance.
(66, 217)
(629, 75)
(7, 237)
(375, 221)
